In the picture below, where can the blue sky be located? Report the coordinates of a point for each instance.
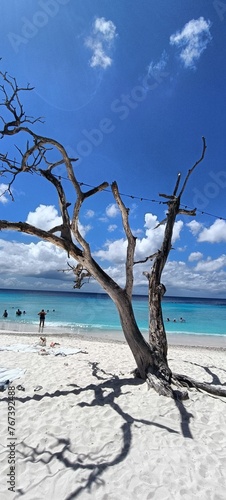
(130, 88)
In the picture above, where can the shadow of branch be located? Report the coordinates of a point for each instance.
(95, 463)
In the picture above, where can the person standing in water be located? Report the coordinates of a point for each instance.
(42, 316)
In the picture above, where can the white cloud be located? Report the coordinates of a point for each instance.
(194, 38)
(41, 261)
(182, 249)
(84, 229)
(106, 28)
(40, 258)
(215, 233)
(112, 228)
(115, 251)
(3, 193)
(210, 265)
(154, 237)
(155, 69)
(179, 278)
(195, 256)
(194, 227)
(103, 219)
(112, 210)
(45, 217)
(137, 232)
(89, 214)
(151, 221)
(99, 57)
(178, 226)
(100, 42)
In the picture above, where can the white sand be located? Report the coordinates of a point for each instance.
(93, 432)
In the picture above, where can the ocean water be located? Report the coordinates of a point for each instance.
(76, 313)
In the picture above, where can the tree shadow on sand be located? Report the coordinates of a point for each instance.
(185, 415)
(208, 369)
(95, 463)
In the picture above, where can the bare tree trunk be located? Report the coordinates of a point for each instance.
(151, 364)
(157, 333)
(140, 348)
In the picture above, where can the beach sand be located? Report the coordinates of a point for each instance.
(94, 432)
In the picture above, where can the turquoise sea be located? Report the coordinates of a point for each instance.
(87, 313)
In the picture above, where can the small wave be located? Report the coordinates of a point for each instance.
(201, 334)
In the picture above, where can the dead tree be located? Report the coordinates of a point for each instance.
(37, 158)
(156, 289)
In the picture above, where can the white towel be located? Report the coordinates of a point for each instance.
(10, 374)
(63, 351)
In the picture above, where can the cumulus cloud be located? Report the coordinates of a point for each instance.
(45, 217)
(153, 237)
(210, 265)
(195, 256)
(137, 232)
(178, 277)
(39, 259)
(193, 39)
(151, 221)
(106, 28)
(42, 260)
(115, 251)
(101, 42)
(112, 210)
(195, 227)
(99, 57)
(216, 233)
(3, 193)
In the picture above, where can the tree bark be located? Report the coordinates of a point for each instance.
(151, 364)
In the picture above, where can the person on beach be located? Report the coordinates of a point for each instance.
(18, 312)
(5, 314)
(42, 316)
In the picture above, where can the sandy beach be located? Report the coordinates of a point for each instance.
(85, 428)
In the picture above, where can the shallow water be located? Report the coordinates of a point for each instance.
(76, 312)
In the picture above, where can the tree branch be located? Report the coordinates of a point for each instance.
(150, 257)
(183, 211)
(195, 165)
(95, 190)
(66, 226)
(130, 239)
(40, 233)
(11, 102)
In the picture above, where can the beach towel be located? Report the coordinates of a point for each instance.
(7, 375)
(62, 351)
